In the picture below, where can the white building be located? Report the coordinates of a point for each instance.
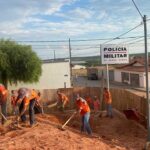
(132, 74)
(55, 75)
(78, 67)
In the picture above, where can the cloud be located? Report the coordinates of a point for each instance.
(82, 13)
(63, 19)
(77, 14)
(65, 28)
(15, 9)
(102, 15)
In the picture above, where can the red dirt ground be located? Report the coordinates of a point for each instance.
(114, 134)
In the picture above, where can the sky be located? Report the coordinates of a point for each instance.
(58, 20)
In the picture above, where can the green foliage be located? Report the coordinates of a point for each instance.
(94, 62)
(90, 61)
(18, 63)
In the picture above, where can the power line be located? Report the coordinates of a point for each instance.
(81, 40)
(85, 48)
(137, 41)
(133, 39)
(137, 9)
(37, 46)
(61, 41)
(118, 37)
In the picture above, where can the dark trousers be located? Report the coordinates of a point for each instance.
(23, 117)
(31, 111)
(4, 110)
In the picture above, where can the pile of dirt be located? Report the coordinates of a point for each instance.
(114, 134)
(117, 131)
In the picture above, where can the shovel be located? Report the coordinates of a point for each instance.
(8, 122)
(62, 127)
(52, 105)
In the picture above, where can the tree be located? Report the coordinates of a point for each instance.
(18, 63)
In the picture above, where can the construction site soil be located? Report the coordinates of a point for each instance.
(108, 134)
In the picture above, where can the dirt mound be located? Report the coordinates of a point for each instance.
(114, 134)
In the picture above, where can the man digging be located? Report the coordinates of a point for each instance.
(27, 97)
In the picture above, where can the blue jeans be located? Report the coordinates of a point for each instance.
(31, 111)
(4, 111)
(85, 123)
(109, 110)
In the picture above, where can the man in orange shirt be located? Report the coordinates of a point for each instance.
(63, 99)
(3, 101)
(27, 97)
(108, 101)
(89, 101)
(84, 111)
(13, 101)
(96, 104)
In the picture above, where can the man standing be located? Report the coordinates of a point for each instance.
(63, 99)
(108, 101)
(96, 104)
(84, 111)
(3, 101)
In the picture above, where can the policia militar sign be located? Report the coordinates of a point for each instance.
(114, 54)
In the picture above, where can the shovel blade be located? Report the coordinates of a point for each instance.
(7, 123)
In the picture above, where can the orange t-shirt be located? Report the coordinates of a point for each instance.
(31, 96)
(63, 97)
(3, 93)
(13, 100)
(96, 104)
(83, 106)
(89, 100)
(107, 97)
(3, 90)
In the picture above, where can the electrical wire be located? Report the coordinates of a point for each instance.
(131, 40)
(82, 40)
(137, 41)
(118, 37)
(137, 9)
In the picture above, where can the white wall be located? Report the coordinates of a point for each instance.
(142, 80)
(54, 75)
(78, 67)
(117, 75)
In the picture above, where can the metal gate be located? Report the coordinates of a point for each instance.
(111, 75)
(134, 80)
(125, 77)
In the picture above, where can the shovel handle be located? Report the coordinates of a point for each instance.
(68, 120)
(3, 116)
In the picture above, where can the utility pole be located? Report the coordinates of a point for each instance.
(102, 86)
(147, 84)
(70, 60)
(146, 73)
(107, 74)
(54, 55)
